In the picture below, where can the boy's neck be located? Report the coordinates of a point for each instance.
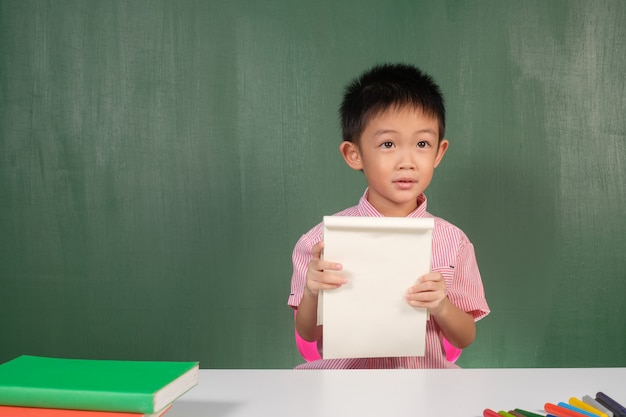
(396, 210)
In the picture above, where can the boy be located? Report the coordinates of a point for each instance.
(393, 123)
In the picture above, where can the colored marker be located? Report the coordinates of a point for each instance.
(528, 413)
(573, 401)
(616, 412)
(490, 413)
(516, 414)
(561, 411)
(503, 413)
(611, 404)
(592, 402)
(578, 410)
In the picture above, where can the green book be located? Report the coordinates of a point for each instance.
(102, 385)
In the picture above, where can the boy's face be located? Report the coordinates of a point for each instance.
(398, 153)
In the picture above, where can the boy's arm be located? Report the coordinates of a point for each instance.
(316, 279)
(306, 319)
(456, 325)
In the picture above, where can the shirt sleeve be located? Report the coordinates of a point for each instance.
(467, 291)
(300, 258)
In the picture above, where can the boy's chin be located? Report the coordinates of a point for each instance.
(405, 196)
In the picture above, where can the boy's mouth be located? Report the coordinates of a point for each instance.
(404, 183)
(405, 180)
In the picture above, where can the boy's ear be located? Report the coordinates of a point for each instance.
(351, 154)
(443, 147)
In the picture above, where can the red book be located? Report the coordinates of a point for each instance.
(10, 411)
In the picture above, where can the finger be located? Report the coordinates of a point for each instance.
(429, 288)
(416, 294)
(423, 300)
(417, 301)
(325, 281)
(318, 266)
(316, 251)
(414, 303)
(327, 272)
(329, 266)
(329, 284)
(431, 276)
(423, 297)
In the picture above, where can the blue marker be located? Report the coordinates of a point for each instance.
(578, 410)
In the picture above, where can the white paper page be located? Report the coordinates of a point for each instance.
(381, 257)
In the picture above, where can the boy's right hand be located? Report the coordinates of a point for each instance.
(318, 276)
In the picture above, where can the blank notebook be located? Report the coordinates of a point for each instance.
(381, 257)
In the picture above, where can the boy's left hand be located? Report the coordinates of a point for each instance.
(429, 292)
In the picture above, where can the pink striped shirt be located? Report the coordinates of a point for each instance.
(452, 256)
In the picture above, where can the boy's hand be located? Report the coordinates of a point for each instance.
(429, 292)
(317, 275)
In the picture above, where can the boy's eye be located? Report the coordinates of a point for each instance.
(422, 144)
(386, 145)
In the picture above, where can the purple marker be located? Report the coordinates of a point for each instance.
(611, 404)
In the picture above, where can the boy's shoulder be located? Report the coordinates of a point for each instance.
(315, 233)
(350, 211)
(446, 231)
(445, 224)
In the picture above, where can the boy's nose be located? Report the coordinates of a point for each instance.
(405, 161)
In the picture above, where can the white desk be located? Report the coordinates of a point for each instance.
(390, 393)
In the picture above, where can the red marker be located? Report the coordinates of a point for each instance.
(490, 413)
(561, 411)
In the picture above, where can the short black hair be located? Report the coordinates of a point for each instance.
(387, 86)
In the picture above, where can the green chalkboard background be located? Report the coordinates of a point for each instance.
(159, 159)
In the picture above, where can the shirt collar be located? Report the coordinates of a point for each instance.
(365, 209)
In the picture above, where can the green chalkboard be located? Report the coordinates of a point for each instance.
(159, 159)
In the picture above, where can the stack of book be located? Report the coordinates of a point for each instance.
(55, 387)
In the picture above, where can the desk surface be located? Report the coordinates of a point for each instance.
(394, 393)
